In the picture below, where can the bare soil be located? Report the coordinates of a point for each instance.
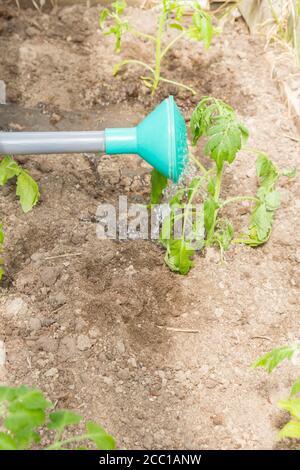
(90, 321)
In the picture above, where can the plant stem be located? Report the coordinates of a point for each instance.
(253, 150)
(218, 183)
(200, 166)
(161, 24)
(58, 444)
(132, 61)
(239, 199)
(216, 199)
(135, 32)
(173, 82)
(171, 43)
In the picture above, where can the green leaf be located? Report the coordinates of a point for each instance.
(119, 6)
(27, 190)
(201, 28)
(7, 394)
(272, 200)
(291, 429)
(30, 398)
(292, 406)
(8, 169)
(191, 236)
(224, 234)
(266, 172)
(290, 172)
(262, 216)
(178, 256)
(273, 358)
(211, 186)
(23, 420)
(62, 418)
(1, 234)
(176, 26)
(216, 120)
(158, 184)
(7, 442)
(261, 222)
(295, 388)
(99, 436)
(102, 17)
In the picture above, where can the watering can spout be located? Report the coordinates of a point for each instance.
(160, 139)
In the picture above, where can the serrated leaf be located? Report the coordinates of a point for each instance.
(27, 190)
(226, 134)
(158, 184)
(99, 436)
(273, 358)
(63, 418)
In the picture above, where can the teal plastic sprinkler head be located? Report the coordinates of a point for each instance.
(160, 139)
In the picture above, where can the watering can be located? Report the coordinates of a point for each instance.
(160, 139)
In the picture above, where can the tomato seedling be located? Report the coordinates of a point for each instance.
(197, 27)
(225, 135)
(26, 189)
(26, 418)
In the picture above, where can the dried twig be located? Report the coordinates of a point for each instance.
(295, 139)
(267, 338)
(66, 255)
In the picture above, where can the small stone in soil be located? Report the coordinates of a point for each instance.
(120, 347)
(132, 363)
(94, 332)
(83, 343)
(47, 344)
(16, 306)
(51, 372)
(49, 276)
(57, 300)
(34, 324)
